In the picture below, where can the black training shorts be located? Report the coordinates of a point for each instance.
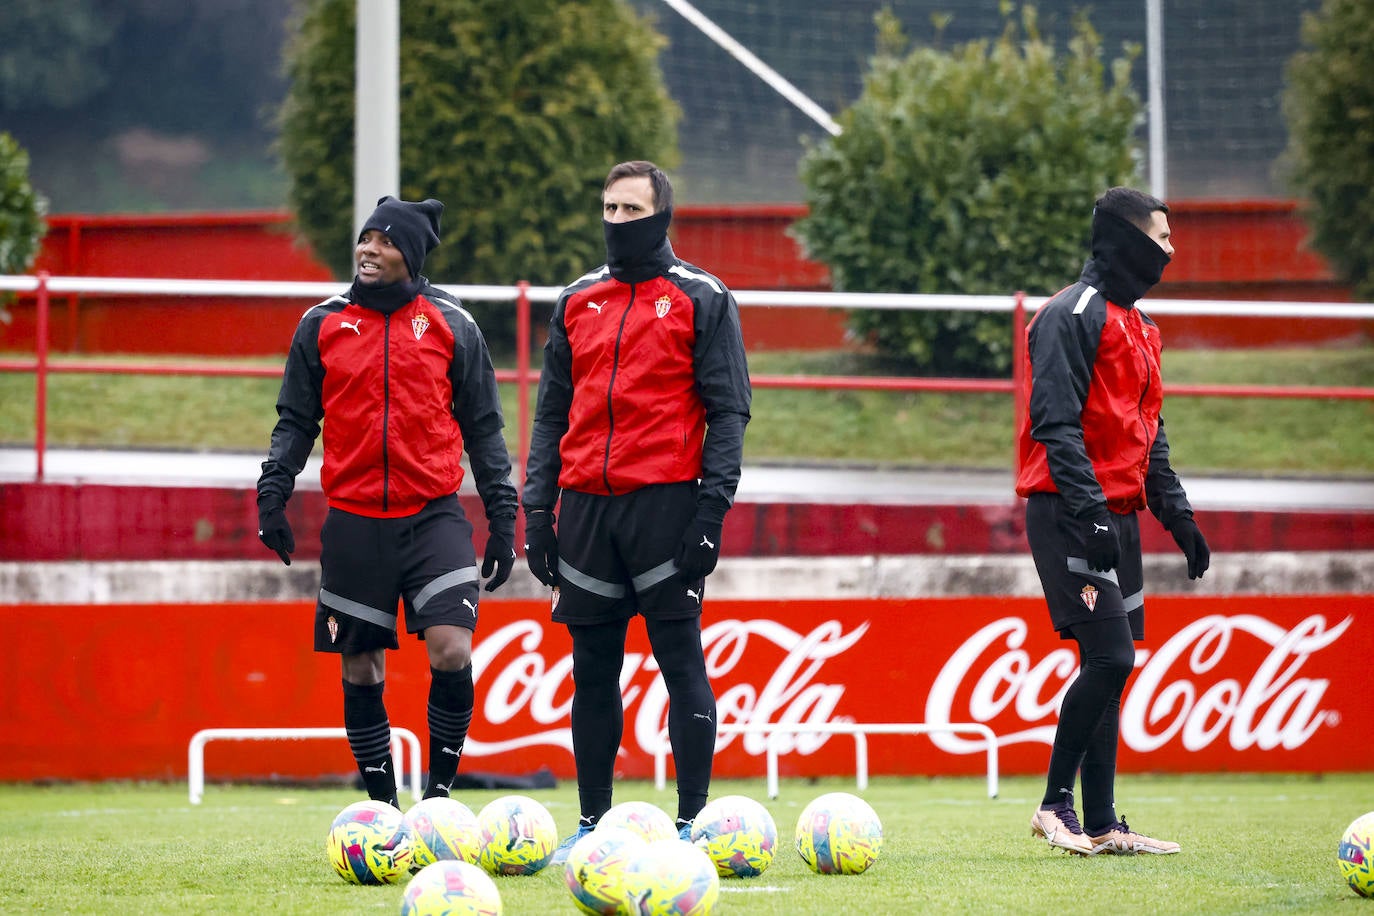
(616, 555)
(1073, 592)
(368, 564)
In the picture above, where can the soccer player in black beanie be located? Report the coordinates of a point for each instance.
(399, 374)
(643, 442)
(1093, 454)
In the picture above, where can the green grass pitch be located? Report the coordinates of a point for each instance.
(1251, 844)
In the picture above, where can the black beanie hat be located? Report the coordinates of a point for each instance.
(412, 227)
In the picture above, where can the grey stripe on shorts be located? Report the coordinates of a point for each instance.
(443, 583)
(652, 577)
(589, 583)
(1080, 566)
(355, 609)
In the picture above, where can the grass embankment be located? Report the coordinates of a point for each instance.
(1310, 437)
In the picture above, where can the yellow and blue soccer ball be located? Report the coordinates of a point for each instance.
(839, 834)
(1355, 855)
(640, 817)
(671, 878)
(518, 836)
(369, 843)
(738, 834)
(450, 887)
(443, 828)
(595, 870)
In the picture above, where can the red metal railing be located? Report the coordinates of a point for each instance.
(522, 293)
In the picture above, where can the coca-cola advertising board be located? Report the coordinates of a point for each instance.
(1234, 684)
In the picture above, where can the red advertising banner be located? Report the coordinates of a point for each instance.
(1221, 683)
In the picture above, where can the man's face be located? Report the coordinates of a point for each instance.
(379, 262)
(628, 199)
(1159, 231)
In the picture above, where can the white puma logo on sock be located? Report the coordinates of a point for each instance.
(380, 769)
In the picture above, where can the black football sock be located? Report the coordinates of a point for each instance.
(450, 714)
(598, 714)
(691, 708)
(369, 737)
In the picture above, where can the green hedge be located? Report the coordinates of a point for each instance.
(971, 171)
(1329, 107)
(22, 210)
(512, 113)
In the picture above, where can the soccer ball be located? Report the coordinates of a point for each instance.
(518, 836)
(451, 888)
(839, 834)
(642, 818)
(1355, 855)
(738, 834)
(671, 878)
(369, 843)
(595, 869)
(443, 828)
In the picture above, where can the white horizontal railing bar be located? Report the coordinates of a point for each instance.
(1254, 309)
(929, 301)
(776, 298)
(315, 289)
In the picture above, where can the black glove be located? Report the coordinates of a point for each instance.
(273, 528)
(1190, 540)
(699, 549)
(500, 552)
(541, 546)
(1101, 548)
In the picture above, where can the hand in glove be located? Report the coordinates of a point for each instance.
(1101, 548)
(274, 530)
(500, 552)
(1190, 540)
(699, 549)
(541, 546)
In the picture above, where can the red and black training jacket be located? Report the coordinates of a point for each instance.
(643, 383)
(1093, 432)
(400, 394)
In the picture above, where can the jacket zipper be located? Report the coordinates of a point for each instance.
(1138, 344)
(610, 388)
(386, 411)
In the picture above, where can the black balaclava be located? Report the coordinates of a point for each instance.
(636, 250)
(414, 229)
(1126, 262)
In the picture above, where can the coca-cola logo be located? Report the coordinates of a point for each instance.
(993, 676)
(1232, 678)
(518, 680)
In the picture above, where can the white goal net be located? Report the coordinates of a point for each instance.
(741, 139)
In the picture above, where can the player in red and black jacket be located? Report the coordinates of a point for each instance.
(398, 373)
(639, 430)
(1092, 454)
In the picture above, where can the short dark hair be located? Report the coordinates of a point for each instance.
(1131, 205)
(663, 188)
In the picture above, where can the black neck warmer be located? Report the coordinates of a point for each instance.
(385, 299)
(638, 250)
(1126, 262)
